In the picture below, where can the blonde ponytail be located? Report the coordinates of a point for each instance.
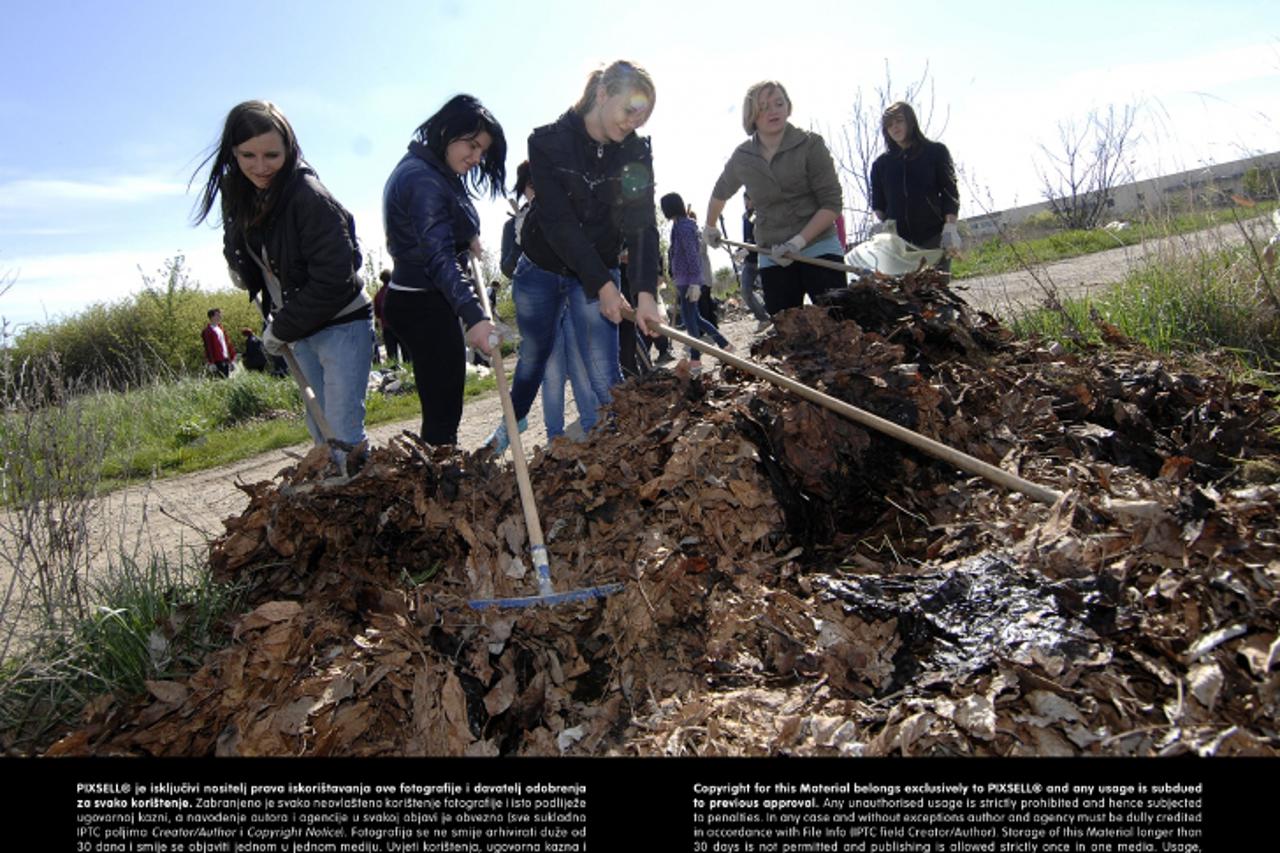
(621, 76)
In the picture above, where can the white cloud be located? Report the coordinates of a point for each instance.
(47, 193)
(1194, 73)
(46, 287)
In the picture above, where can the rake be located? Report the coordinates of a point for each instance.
(547, 594)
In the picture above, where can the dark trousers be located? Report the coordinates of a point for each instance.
(707, 306)
(395, 352)
(428, 330)
(785, 287)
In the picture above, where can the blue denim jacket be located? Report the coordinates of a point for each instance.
(430, 221)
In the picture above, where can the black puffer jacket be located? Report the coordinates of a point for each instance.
(916, 187)
(590, 198)
(311, 242)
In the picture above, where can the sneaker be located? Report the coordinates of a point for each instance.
(695, 369)
(728, 347)
(665, 357)
(498, 439)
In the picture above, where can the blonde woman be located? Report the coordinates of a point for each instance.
(793, 185)
(592, 192)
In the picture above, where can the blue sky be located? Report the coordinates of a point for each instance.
(107, 108)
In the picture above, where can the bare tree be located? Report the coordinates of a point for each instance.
(1090, 161)
(857, 144)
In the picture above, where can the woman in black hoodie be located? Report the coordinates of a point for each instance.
(913, 184)
(593, 191)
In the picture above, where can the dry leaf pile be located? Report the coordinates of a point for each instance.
(793, 583)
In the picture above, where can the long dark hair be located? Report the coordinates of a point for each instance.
(673, 206)
(242, 202)
(914, 135)
(523, 177)
(463, 117)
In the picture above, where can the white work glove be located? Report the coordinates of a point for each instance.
(711, 236)
(951, 238)
(694, 293)
(888, 226)
(780, 251)
(271, 343)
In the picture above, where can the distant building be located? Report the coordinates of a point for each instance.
(1208, 185)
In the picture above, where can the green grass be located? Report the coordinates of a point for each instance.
(147, 622)
(1197, 303)
(1000, 255)
(193, 424)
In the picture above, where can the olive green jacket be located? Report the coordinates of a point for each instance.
(788, 190)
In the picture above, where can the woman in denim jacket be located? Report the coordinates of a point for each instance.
(432, 228)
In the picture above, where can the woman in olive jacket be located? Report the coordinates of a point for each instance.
(432, 230)
(792, 181)
(293, 247)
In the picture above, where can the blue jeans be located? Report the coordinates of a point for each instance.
(335, 362)
(541, 298)
(566, 363)
(695, 324)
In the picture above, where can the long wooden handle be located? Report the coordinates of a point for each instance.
(309, 397)
(531, 520)
(961, 460)
(817, 262)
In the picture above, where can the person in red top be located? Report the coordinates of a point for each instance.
(219, 351)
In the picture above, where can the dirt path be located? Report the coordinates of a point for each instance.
(181, 514)
(1005, 294)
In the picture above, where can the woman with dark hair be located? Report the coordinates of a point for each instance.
(593, 192)
(432, 230)
(793, 184)
(913, 185)
(688, 272)
(289, 241)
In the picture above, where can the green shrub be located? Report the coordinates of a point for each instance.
(155, 332)
(249, 396)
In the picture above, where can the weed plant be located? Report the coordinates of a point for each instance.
(149, 622)
(1216, 299)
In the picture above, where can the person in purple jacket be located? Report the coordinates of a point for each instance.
(688, 272)
(432, 228)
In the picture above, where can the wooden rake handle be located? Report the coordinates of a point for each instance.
(817, 262)
(937, 449)
(537, 547)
